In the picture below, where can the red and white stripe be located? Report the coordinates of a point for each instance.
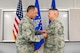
(15, 27)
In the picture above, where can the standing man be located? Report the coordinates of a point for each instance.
(54, 43)
(27, 35)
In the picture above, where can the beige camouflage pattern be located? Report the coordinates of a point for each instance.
(26, 36)
(54, 43)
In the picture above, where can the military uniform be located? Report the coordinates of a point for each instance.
(54, 43)
(26, 36)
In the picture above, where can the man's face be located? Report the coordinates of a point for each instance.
(51, 14)
(34, 13)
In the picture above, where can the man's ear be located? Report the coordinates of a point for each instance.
(55, 14)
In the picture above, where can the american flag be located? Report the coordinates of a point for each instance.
(19, 16)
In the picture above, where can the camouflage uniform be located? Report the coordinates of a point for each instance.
(26, 36)
(54, 43)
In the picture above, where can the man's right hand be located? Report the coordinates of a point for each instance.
(44, 35)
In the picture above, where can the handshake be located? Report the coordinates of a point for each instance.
(44, 33)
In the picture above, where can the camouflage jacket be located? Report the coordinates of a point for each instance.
(54, 43)
(26, 36)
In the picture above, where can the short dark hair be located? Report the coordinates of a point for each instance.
(53, 9)
(30, 7)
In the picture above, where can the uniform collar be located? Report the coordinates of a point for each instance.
(30, 20)
(54, 20)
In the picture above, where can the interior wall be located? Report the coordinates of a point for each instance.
(60, 4)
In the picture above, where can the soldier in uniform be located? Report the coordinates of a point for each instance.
(54, 43)
(26, 35)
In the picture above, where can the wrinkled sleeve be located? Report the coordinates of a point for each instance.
(29, 34)
(52, 36)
